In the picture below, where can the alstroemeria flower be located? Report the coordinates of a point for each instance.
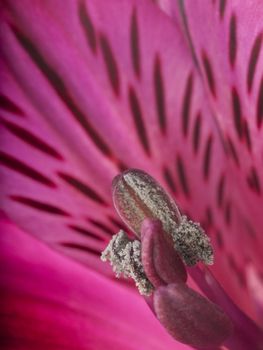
(90, 88)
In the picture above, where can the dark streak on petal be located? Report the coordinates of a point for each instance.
(219, 240)
(169, 179)
(186, 107)
(83, 248)
(209, 218)
(220, 191)
(222, 7)
(49, 208)
(207, 157)
(253, 59)
(111, 64)
(253, 181)
(233, 152)
(231, 262)
(228, 213)
(237, 113)
(247, 135)
(60, 88)
(223, 141)
(260, 105)
(31, 139)
(182, 176)
(209, 74)
(159, 93)
(82, 188)
(85, 232)
(117, 223)
(102, 226)
(88, 27)
(232, 41)
(197, 132)
(135, 44)
(121, 166)
(18, 166)
(10, 106)
(138, 119)
(249, 228)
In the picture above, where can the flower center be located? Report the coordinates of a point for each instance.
(156, 261)
(138, 197)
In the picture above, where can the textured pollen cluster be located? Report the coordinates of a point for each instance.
(156, 262)
(192, 243)
(138, 197)
(124, 256)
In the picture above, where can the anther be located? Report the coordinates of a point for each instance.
(124, 256)
(137, 196)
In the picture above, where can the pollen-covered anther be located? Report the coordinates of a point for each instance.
(137, 197)
(192, 243)
(124, 256)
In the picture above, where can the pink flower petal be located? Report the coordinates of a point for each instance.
(227, 45)
(78, 205)
(226, 40)
(86, 92)
(49, 301)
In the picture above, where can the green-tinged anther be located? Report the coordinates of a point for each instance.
(137, 196)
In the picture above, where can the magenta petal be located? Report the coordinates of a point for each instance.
(160, 260)
(51, 302)
(150, 111)
(226, 39)
(76, 122)
(189, 317)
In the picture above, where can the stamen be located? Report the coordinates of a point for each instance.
(124, 256)
(192, 243)
(137, 196)
(155, 261)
